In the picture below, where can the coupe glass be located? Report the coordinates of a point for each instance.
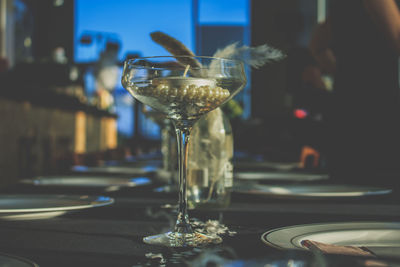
(183, 88)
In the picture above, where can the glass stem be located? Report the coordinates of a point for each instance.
(182, 223)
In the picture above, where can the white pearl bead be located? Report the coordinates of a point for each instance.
(172, 93)
(192, 92)
(182, 92)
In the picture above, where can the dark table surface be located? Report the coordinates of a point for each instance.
(112, 235)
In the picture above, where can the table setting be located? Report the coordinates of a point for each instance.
(261, 231)
(259, 213)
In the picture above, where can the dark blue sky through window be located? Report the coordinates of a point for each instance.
(131, 21)
(224, 12)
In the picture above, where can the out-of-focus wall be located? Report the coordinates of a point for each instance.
(37, 140)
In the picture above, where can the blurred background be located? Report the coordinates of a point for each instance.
(62, 103)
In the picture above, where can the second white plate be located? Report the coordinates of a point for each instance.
(28, 207)
(130, 170)
(382, 238)
(280, 176)
(7, 260)
(309, 191)
(109, 183)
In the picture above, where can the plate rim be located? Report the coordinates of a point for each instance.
(292, 246)
(312, 176)
(109, 201)
(115, 169)
(38, 181)
(357, 193)
(28, 261)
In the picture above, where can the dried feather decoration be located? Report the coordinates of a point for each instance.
(176, 48)
(255, 57)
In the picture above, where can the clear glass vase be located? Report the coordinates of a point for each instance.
(210, 168)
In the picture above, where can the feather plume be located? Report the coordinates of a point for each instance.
(253, 56)
(176, 48)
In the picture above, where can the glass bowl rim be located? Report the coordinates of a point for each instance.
(130, 62)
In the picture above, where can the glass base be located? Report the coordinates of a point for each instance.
(174, 239)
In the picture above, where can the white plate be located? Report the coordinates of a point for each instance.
(280, 176)
(382, 238)
(28, 207)
(116, 169)
(309, 191)
(109, 183)
(15, 261)
(279, 166)
(265, 262)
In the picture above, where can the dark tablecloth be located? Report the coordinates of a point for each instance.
(112, 235)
